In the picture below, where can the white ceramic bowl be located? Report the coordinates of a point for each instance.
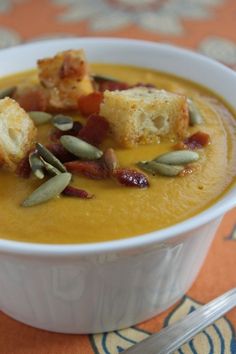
(100, 287)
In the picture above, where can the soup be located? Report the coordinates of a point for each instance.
(118, 211)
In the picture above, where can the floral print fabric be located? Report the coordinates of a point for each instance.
(206, 26)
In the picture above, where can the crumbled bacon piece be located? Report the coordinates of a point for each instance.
(197, 140)
(60, 152)
(77, 126)
(23, 169)
(32, 100)
(56, 133)
(89, 169)
(76, 192)
(95, 130)
(90, 104)
(131, 178)
(112, 85)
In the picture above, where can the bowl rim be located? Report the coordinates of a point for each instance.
(223, 204)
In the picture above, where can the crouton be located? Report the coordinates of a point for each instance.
(142, 115)
(17, 133)
(31, 97)
(65, 77)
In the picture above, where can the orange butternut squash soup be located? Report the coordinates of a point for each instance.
(124, 190)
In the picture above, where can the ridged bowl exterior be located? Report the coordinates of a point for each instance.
(104, 292)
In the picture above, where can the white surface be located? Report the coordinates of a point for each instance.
(106, 286)
(98, 293)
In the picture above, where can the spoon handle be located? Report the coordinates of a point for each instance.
(173, 336)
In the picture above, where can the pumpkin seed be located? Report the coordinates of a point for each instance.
(179, 157)
(7, 92)
(104, 78)
(110, 159)
(160, 168)
(49, 157)
(145, 166)
(48, 190)
(62, 122)
(80, 148)
(36, 165)
(40, 118)
(194, 114)
(50, 168)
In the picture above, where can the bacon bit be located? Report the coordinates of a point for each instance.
(95, 130)
(23, 169)
(90, 104)
(78, 193)
(77, 126)
(115, 85)
(61, 153)
(56, 133)
(131, 178)
(197, 140)
(72, 68)
(89, 169)
(112, 86)
(32, 100)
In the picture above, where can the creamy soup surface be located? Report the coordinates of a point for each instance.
(116, 211)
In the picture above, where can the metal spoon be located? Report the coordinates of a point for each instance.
(173, 336)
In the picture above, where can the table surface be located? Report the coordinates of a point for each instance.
(207, 26)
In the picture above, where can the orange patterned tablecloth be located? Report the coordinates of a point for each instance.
(207, 26)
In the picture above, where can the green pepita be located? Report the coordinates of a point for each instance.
(40, 118)
(7, 92)
(49, 157)
(50, 168)
(80, 148)
(194, 114)
(160, 168)
(179, 157)
(36, 165)
(48, 190)
(62, 122)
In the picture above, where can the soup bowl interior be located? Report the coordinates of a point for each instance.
(105, 286)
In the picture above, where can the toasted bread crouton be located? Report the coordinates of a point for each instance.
(142, 115)
(65, 77)
(17, 133)
(30, 94)
(31, 97)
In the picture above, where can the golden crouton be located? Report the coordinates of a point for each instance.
(31, 97)
(65, 77)
(17, 133)
(142, 115)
